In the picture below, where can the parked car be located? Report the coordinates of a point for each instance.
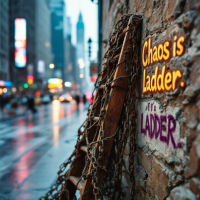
(65, 98)
(46, 99)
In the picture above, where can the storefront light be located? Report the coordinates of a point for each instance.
(14, 89)
(5, 90)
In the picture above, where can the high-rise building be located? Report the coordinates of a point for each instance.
(70, 55)
(80, 49)
(43, 40)
(68, 28)
(22, 9)
(58, 31)
(38, 40)
(4, 40)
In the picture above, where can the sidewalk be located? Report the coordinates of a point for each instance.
(12, 113)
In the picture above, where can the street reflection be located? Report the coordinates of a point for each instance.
(55, 118)
(62, 114)
(55, 135)
(55, 111)
(22, 169)
(29, 138)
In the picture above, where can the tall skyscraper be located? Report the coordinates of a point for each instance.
(58, 19)
(70, 55)
(43, 40)
(4, 40)
(22, 9)
(80, 47)
(38, 47)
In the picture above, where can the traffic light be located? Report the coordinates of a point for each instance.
(89, 51)
(25, 85)
(89, 47)
(30, 80)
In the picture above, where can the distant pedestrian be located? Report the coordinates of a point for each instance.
(77, 98)
(84, 99)
(2, 102)
(30, 103)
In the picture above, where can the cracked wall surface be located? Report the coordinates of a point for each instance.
(164, 170)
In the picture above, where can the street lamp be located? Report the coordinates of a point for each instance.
(81, 75)
(51, 66)
(89, 48)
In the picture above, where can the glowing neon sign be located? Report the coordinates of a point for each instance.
(20, 42)
(5, 83)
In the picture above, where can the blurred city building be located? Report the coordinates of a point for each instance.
(22, 9)
(4, 40)
(58, 30)
(80, 72)
(38, 44)
(43, 40)
(70, 57)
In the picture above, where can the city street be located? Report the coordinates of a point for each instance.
(33, 146)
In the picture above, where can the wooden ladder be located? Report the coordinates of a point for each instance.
(110, 122)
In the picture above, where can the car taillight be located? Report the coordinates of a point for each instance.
(61, 98)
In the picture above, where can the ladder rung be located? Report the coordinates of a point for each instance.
(123, 32)
(117, 56)
(95, 119)
(102, 87)
(83, 148)
(75, 180)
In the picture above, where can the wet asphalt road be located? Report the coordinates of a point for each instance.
(33, 146)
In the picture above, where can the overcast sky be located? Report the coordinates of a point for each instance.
(90, 14)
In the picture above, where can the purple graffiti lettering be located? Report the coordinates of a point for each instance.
(156, 125)
(179, 145)
(143, 130)
(171, 130)
(151, 106)
(154, 108)
(163, 118)
(152, 122)
(147, 127)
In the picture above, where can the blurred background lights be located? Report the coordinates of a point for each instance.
(81, 75)
(14, 89)
(51, 66)
(5, 90)
(68, 84)
(47, 44)
(30, 80)
(37, 94)
(25, 85)
(81, 63)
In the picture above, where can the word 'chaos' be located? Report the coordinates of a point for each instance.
(162, 80)
(159, 129)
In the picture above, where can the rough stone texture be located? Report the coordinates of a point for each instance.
(158, 173)
(181, 193)
(157, 181)
(193, 167)
(195, 186)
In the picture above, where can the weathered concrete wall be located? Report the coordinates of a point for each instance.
(167, 163)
